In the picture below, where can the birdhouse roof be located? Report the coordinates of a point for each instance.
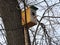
(33, 7)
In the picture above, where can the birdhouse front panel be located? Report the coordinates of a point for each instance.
(28, 16)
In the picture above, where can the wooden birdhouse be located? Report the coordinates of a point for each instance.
(31, 16)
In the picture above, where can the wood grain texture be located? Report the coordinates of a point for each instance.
(12, 22)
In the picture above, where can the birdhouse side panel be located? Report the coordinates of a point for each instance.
(33, 16)
(34, 19)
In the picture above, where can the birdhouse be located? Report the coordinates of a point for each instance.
(30, 16)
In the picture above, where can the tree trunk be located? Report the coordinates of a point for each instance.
(12, 22)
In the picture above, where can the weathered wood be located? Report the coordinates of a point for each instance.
(12, 22)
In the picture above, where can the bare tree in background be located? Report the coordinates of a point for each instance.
(46, 32)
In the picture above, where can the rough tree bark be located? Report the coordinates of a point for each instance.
(12, 22)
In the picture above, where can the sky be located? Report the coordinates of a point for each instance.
(2, 33)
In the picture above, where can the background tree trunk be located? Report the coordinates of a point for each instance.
(12, 22)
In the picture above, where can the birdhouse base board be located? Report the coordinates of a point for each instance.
(30, 24)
